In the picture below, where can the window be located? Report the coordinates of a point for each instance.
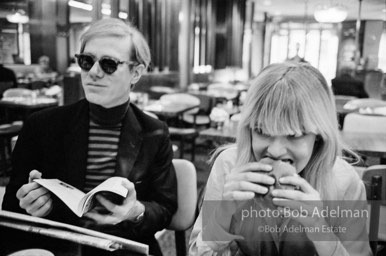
(318, 46)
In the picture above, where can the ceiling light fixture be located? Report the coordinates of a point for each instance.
(330, 13)
(106, 10)
(18, 17)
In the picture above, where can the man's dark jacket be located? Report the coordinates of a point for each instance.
(55, 141)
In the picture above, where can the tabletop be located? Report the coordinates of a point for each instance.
(28, 103)
(168, 110)
(369, 144)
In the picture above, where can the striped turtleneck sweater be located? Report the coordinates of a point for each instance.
(103, 139)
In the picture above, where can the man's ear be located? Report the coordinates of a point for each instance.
(137, 73)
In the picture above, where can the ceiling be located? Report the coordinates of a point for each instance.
(371, 9)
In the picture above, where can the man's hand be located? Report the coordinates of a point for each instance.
(129, 210)
(33, 198)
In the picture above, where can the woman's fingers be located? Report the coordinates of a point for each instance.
(252, 166)
(245, 186)
(289, 194)
(299, 182)
(238, 195)
(254, 177)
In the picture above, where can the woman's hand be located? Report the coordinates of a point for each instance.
(33, 198)
(301, 203)
(130, 209)
(245, 181)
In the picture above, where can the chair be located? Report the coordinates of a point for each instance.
(180, 133)
(200, 117)
(373, 83)
(36, 85)
(355, 122)
(374, 178)
(349, 86)
(187, 202)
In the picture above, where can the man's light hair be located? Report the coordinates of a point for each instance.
(140, 51)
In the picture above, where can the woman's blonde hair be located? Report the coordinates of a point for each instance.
(140, 51)
(287, 98)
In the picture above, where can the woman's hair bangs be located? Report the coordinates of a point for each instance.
(280, 111)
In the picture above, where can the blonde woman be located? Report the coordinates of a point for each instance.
(289, 116)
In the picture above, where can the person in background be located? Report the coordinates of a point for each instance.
(101, 136)
(289, 116)
(297, 58)
(44, 72)
(347, 84)
(73, 68)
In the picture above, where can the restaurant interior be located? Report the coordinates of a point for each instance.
(204, 53)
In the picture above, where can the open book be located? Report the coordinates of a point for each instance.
(79, 235)
(78, 201)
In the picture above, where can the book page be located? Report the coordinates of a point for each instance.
(70, 195)
(113, 184)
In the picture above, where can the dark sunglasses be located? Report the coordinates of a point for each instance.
(108, 64)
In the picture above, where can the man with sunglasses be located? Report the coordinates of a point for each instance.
(96, 138)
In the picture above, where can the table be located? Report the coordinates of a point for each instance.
(369, 144)
(26, 105)
(168, 110)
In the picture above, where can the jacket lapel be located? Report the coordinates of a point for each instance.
(129, 144)
(75, 146)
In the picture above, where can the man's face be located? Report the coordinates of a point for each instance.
(103, 89)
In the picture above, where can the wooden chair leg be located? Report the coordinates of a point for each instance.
(193, 152)
(3, 157)
(182, 148)
(376, 190)
(180, 243)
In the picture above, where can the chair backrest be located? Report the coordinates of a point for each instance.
(206, 103)
(36, 85)
(373, 83)
(187, 195)
(371, 171)
(348, 86)
(374, 178)
(354, 122)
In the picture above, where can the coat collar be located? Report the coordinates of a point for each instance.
(76, 145)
